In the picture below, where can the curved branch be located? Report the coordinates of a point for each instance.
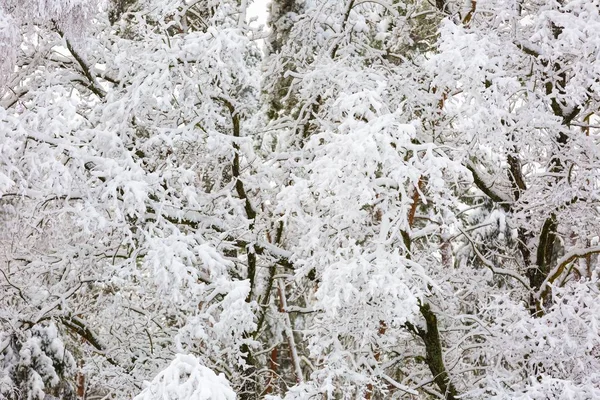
(495, 270)
(486, 188)
(560, 267)
(79, 327)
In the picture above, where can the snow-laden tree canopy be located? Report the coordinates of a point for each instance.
(385, 199)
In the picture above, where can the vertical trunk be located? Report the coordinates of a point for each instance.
(289, 333)
(434, 355)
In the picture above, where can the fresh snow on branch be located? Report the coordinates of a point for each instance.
(186, 379)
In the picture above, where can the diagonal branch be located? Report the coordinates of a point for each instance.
(561, 264)
(495, 270)
(79, 327)
(487, 188)
(91, 84)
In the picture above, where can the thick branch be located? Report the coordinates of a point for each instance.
(241, 191)
(560, 267)
(79, 327)
(289, 333)
(92, 85)
(487, 189)
(544, 251)
(433, 352)
(515, 175)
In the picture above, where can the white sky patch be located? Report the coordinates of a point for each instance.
(258, 9)
(257, 13)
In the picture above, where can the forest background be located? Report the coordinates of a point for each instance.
(378, 199)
